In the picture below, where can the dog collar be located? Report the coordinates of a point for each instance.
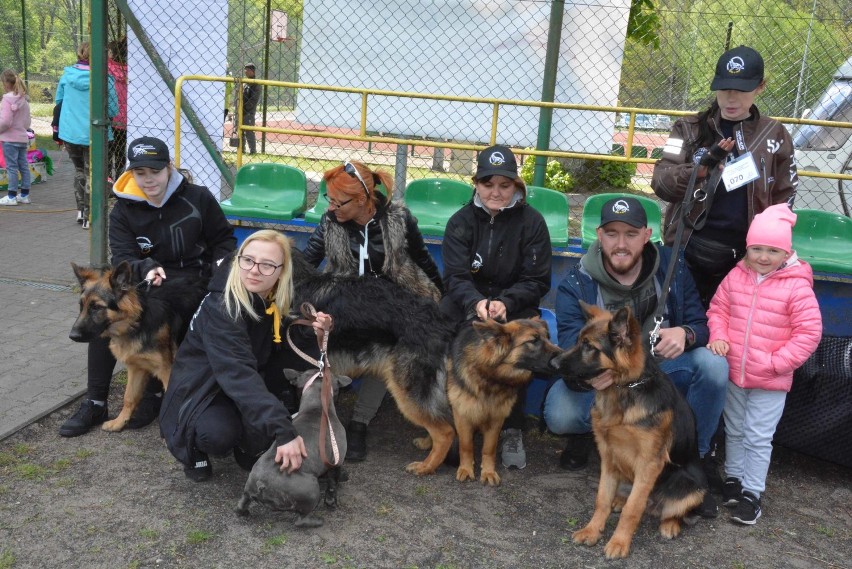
(635, 383)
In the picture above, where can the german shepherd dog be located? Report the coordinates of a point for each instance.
(488, 363)
(144, 328)
(643, 427)
(385, 331)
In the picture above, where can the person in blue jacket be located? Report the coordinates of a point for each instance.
(72, 94)
(623, 268)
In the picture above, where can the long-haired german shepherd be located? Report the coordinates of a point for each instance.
(488, 363)
(144, 327)
(644, 430)
(383, 330)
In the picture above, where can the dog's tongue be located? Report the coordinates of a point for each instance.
(602, 381)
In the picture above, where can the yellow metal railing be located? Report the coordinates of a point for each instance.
(362, 135)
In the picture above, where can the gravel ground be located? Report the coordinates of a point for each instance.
(121, 500)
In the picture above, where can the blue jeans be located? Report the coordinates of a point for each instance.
(698, 374)
(15, 154)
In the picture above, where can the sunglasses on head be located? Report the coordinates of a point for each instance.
(350, 169)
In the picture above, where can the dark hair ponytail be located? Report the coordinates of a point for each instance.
(705, 136)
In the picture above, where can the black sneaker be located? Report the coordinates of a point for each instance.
(711, 471)
(245, 459)
(708, 508)
(576, 453)
(748, 510)
(201, 470)
(147, 411)
(87, 416)
(356, 441)
(731, 492)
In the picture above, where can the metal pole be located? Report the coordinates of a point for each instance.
(24, 28)
(399, 171)
(804, 61)
(268, 16)
(100, 127)
(551, 61)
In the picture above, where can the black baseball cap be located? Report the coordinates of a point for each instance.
(148, 152)
(739, 69)
(496, 161)
(624, 209)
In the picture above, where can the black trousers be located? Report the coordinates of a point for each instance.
(102, 366)
(220, 428)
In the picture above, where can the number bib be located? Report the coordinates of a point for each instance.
(739, 172)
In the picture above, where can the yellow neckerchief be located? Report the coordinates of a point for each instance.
(276, 322)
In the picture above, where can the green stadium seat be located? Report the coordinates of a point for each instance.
(434, 200)
(617, 150)
(638, 152)
(823, 239)
(315, 213)
(592, 216)
(268, 191)
(657, 153)
(553, 206)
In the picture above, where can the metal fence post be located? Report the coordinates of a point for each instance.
(551, 60)
(100, 127)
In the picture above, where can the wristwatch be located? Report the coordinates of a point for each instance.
(690, 336)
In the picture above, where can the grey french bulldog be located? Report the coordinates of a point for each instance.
(300, 491)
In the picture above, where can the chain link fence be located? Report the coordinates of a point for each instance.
(641, 54)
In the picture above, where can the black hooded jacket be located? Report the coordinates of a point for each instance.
(223, 355)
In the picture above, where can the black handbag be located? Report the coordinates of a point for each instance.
(709, 256)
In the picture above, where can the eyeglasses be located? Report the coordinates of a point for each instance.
(350, 169)
(336, 203)
(266, 269)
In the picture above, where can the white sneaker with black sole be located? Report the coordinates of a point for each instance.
(747, 511)
(79, 216)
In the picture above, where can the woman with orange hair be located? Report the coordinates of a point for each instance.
(365, 234)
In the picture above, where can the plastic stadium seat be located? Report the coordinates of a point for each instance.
(617, 150)
(639, 152)
(268, 191)
(553, 206)
(824, 240)
(434, 200)
(321, 206)
(592, 216)
(656, 153)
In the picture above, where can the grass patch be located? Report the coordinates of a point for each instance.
(383, 510)
(7, 459)
(31, 471)
(572, 522)
(84, 453)
(828, 532)
(120, 378)
(149, 533)
(21, 449)
(421, 490)
(197, 537)
(61, 465)
(274, 542)
(328, 558)
(46, 143)
(7, 559)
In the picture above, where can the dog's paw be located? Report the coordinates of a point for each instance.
(423, 443)
(670, 528)
(419, 468)
(113, 426)
(587, 536)
(463, 474)
(308, 521)
(617, 548)
(489, 478)
(618, 503)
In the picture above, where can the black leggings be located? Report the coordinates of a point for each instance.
(101, 367)
(219, 429)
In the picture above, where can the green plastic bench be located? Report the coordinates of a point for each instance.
(592, 216)
(823, 239)
(268, 191)
(553, 206)
(434, 200)
(315, 213)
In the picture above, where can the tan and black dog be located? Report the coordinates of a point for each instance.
(488, 363)
(144, 327)
(644, 430)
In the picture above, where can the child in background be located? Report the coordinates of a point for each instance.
(14, 121)
(765, 319)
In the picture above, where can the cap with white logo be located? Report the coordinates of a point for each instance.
(496, 161)
(147, 152)
(739, 69)
(625, 209)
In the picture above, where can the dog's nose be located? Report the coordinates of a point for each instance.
(76, 336)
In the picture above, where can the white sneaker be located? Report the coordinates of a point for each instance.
(8, 201)
(79, 216)
(85, 224)
(24, 199)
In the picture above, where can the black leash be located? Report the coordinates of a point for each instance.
(690, 198)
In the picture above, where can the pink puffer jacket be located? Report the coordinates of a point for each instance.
(772, 326)
(14, 118)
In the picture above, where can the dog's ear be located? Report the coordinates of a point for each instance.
(83, 274)
(121, 277)
(621, 328)
(489, 326)
(293, 376)
(342, 380)
(590, 310)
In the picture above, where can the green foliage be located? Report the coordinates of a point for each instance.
(197, 537)
(616, 174)
(643, 23)
(7, 559)
(555, 176)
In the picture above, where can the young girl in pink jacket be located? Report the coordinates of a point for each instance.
(14, 122)
(765, 319)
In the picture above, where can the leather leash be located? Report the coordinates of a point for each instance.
(309, 316)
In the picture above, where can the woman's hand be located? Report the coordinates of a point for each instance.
(156, 276)
(715, 156)
(323, 323)
(290, 455)
(494, 309)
